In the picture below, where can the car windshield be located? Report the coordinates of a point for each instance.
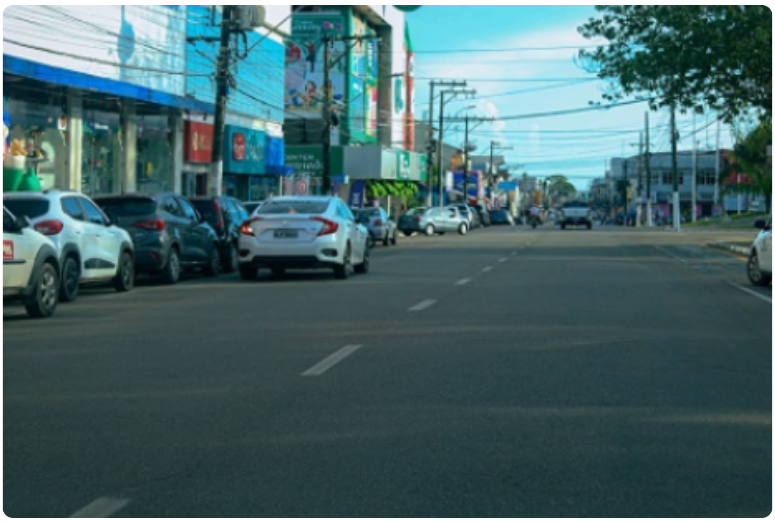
(294, 207)
(30, 207)
(127, 206)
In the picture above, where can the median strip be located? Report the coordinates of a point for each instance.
(332, 360)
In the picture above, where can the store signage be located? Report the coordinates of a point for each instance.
(199, 142)
(246, 151)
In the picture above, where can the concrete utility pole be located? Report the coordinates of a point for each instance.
(454, 93)
(221, 88)
(649, 217)
(676, 190)
(639, 212)
(430, 149)
(717, 184)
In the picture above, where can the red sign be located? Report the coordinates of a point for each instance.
(7, 250)
(238, 147)
(199, 142)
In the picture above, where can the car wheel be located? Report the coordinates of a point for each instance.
(248, 273)
(171, 273)
(71, 276)
(429, 230)
(463, 229)
(755, 274)
(44, 302)
(386, 239)
(408, 234)
(342, 272)
(213, 267)
(231, 260)
(394, 239)
(363, 267)
(278, 272)
(124, 279)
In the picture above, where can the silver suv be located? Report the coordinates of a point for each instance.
(30, 267)
(91, 249)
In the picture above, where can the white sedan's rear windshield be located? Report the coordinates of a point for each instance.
(294, 207)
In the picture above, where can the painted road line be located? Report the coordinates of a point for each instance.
(503, 260)
(423, 305)
(464, 281)
(752, 293)
(101, 508)
(332, 360)
(514, 253)
(487, 269)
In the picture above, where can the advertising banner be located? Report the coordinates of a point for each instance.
(304, 64)
(244, 151)
(362, 93)
(475, 189)
(198, 142)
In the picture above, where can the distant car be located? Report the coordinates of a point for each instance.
(576, 213)
(252, 206)
(169, 233)
(470, 215)
(759, 266)
(432, 220)
(30, 267)
(381, 228)
(484, 214)
(501, 217)
(225, 215)
(91, 248)
(303, 232)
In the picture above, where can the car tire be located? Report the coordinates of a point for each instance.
(213, 267)
(231, 259)
(71, 280)
(363, 267)
(124, 280)
(248, 273)
(430, 230)
(44, 302)
(755, 274)
(386, 239)
(394, 239)
(408, 234)
(171, 273)
(342, 272)
(463, 229)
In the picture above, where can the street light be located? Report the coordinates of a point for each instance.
(454, 93)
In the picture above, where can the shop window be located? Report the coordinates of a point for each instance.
(154, 154)
(101, 153)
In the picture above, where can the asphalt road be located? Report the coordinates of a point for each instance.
(508, 373)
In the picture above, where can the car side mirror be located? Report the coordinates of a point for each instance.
(22, 222)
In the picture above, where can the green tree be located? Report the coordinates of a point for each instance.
(749, 158)
(719, 56)
(558, 186)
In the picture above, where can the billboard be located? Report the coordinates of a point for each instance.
(304, 64)
(363, 85)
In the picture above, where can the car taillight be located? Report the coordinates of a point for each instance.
(150, 225)
(219, 214)
(329, 227)
(49, 227)
(246, 227)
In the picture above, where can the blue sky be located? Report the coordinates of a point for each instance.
(542, 41)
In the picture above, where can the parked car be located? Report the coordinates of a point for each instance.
(252, 206)
(760, 260)
(169, 234)
(225, 215)
(432, 220)
(303, 232)
(501, 217)
(91, 248)
(381, 228)
(30, 267)
(484, 214)
(470, 215)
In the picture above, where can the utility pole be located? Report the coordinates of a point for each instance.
(649, 217)
(717, 184)
(639, 212)
(465, 163)
(625, 187)
(694, 175)
(430, 148)
(440, 154)
(676, 193)
(221, 94)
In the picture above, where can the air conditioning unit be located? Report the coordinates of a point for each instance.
(250, 17)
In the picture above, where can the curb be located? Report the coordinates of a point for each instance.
(737, 249)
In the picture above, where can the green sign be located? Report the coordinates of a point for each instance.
(306, 161)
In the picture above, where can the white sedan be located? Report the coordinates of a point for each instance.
(303, 232)
(760, 261)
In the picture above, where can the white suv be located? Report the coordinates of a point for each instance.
(90, 248)
(30, 267)
(760, 260)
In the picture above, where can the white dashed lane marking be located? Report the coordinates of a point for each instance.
(463, 282)
(101, 508)
(332, 360)
(422, 305)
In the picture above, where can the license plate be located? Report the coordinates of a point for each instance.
(285, 234)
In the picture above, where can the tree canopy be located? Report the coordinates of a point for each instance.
(749, 157)
(690, 56)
